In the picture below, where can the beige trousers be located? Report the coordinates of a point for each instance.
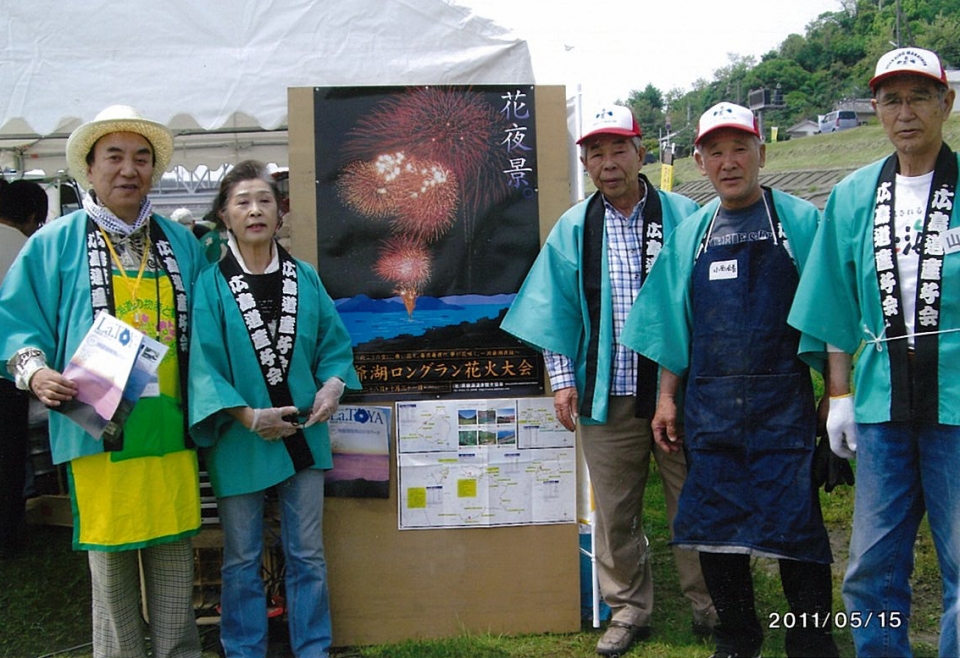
(618, 460)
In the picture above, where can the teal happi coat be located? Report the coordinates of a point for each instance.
(838, 300)
(45, 303)
(550, 311)
(659, 323)
(225, 373)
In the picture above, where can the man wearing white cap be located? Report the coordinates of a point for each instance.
(714, 313)
(133, 489)
(883, 276)
(572, 306)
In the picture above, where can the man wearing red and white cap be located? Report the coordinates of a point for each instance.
(882, 277)
(572, 306)
(713, 313)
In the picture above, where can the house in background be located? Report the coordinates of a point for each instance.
(803, 129)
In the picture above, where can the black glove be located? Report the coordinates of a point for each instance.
(829, 470)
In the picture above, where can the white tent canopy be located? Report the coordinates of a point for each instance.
(217, 72)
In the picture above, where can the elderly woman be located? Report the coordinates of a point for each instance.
(134, 493)
(269, 361)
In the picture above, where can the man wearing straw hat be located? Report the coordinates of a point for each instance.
(134, 492)
(883, 277)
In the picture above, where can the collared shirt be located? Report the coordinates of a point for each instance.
(624, 261)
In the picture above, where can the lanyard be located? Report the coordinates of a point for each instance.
(135, 287)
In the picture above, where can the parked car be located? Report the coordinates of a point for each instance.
(838, 120)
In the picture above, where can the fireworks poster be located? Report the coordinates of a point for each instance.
(427, 223)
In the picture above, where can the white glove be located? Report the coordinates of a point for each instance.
(841, 427)
(326, 401)
(270, 425)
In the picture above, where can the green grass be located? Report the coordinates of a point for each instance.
(46, 603)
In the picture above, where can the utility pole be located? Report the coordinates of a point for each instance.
(898, 23)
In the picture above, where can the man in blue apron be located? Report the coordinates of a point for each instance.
(749, 420)
(883, 274)
(571, 305)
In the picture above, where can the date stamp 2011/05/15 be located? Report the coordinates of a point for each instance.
(839, 620)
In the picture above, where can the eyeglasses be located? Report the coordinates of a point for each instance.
(918, 102)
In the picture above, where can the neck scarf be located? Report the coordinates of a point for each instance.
(109, 222)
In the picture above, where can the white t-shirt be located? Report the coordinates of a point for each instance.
(910, 206)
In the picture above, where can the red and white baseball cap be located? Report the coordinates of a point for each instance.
(726, 115)
(916, 61)
(612, 120)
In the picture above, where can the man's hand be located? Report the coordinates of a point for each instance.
(841, 427)
(666, 427)
(565, 405)
(667, 431)
(52, 388)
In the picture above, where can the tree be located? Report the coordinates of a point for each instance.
(647, 106)
(942, 35)
(832, 61)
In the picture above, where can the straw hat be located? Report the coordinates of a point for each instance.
(116, 119)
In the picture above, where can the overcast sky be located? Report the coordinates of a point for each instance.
(611, 47)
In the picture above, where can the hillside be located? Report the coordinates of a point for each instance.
(807, 167)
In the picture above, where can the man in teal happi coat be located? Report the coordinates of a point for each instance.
(883, 276)
(572, 306)
(713, 314)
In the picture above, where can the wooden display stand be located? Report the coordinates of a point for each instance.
(388, 585)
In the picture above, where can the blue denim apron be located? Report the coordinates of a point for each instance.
(749, 420)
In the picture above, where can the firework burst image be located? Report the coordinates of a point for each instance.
(407, 264)
(456, 128)
(420, 160)
(362, 188)
(420, 198)
(427, 223)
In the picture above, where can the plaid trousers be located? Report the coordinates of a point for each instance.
(118, 624)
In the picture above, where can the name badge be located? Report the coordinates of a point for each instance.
(950, 240)
(723, 269)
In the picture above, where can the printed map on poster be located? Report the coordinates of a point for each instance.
(483, 463)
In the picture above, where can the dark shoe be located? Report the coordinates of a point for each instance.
(727, 654)
(619, 637)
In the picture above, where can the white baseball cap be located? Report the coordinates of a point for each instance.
(612, 120)
(916, 61)
(726, 115)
